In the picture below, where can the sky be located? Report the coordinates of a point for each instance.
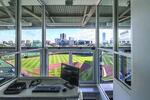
(51, 34)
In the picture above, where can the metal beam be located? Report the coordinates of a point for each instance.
(1, 10)
(32, 14)
(125, 12)
(42, 2)
(124, 19)
(89, 15)
(7, 11)
(64, 24)
(85, 14)
(98, 2)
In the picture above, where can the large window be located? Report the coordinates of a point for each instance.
(7, 39)
(70, 33)
(123, 52)
(106, 41)
(45, 28)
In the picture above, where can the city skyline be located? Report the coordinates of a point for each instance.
(77, 34)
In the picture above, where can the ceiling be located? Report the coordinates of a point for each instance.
(80, 14)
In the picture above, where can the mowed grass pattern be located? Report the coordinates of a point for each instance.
(107, 60)
(31, 66)
(64, 58)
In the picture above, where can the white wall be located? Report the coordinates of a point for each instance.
(140, 11)
(140, 23)
(120, 91)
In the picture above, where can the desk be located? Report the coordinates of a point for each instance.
(70, 94)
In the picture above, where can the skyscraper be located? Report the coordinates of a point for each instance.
(63, 36)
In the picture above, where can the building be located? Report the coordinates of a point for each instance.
(28, 43)
(63, 36)
(71, 41)
(36, 43)
(23, 43)
(125, 38)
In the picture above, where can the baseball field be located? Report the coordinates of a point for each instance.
(31, 65)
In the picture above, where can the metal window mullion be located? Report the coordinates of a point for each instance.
(97, 68)
(115, 36)
(18, 37)
(43, 52)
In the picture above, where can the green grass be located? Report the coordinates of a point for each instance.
(107, 59)
(31, 63)
(63, 58)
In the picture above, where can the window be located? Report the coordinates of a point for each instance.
(30, 64)
(70, 29)
(124, 26)
(106, 41)
(7, 39)
(68, 36)
(31, 38)
(123, 52)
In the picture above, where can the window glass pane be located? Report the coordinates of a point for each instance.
(105, 24)
(83, 61)
(107, 66)
(125, 69)
(69, 27)
(7, 23)
(124, 26)
(30, 64)
(70, 37)
(31, 24)
(7, 66)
